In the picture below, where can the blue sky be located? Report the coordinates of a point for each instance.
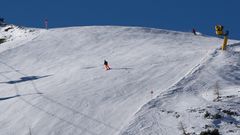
(179, 15)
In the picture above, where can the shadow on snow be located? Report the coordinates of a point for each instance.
(6, 98)
(18, 95)
(121, 68)
(25, 79)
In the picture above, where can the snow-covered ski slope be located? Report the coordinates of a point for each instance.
(182, 108)
(53, 81)
(17, 36)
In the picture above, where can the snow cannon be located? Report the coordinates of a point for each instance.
(219, 32)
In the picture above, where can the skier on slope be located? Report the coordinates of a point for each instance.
(194, 31)
(46, 23)
(106, 66)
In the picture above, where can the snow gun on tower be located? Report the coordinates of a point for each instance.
(220, 32)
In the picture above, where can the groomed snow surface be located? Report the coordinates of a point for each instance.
(52, 82)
